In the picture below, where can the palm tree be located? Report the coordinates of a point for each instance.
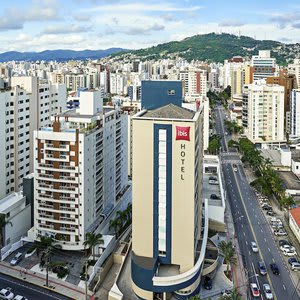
(3, 223)
(91, 240)
(227, 252)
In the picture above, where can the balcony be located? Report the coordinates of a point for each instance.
(61, 147)
(44, 216)
(60, 158)
(67, 219)
(45, 206)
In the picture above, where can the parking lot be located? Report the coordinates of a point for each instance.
(73, 260)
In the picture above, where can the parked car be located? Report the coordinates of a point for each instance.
(289, 252)
(262, 268)
(254, 247)
(267, 291)
(280, 232)
(17, 258)
(254, 290)
(292, 260)
(207, 283)
(227, 293)
(19, 297)
(284, 242)
(295, 266)
(235, 167)
(214, 196)
(6, 294)
(266, 207)
(274, 268)
(213, 180)
(286, 247)
(271, 213)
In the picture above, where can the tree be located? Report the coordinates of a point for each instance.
(214, 145)
(227, 252)
(116, 225)
(3, 223)
(92, 240)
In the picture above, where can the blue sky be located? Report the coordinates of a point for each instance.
(99, 24)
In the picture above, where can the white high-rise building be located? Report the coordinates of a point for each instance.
(263, 109)
(295, 69)
(295, 114)
(14, 139)
(263, 65)
(195, 84)
(80, 169)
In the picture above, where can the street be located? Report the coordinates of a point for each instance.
(30, 291)
(252, 226)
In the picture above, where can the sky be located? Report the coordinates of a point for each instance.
(36, 25)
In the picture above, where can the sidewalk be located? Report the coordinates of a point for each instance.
(239, 277)
(58, 286)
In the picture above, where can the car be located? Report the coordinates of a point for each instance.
(6, 294)
(267, 291)
(214, 196)
(287, 247)
(284, 242)
(207, 283)
(266, 207)
(280, 232)
(254, 247)
(289, 252)
(295, 266)
(292, 260)
(17, 258)
(271, 213)
(262, 268)
(254, 290)
(19, 297)
(274, 268)
(235, 167)
(227, 293)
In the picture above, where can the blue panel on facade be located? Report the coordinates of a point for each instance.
(158, 93)
(167, 258)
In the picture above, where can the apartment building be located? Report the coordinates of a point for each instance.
(80, 171)
(195, 84)
(263, 112)
(295, 114)
(14, 139)
(294, 69)
(262, 66)
(168, 216)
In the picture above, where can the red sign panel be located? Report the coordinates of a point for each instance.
(182, 133)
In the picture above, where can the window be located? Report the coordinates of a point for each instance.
(171, 92)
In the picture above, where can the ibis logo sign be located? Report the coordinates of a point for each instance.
(182, 133)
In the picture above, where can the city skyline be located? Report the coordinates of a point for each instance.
(101, 24)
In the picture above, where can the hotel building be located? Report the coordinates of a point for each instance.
(168, 240)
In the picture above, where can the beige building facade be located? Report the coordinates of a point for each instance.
(167, 154)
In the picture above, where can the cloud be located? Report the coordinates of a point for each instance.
(134, 7)
(136, 30)
(231, 23)
(284, 19)
(15, 18)
(168, 17)
(296, 25)
(82, 18)
(63, 29)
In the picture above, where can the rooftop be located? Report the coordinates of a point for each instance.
(170, 111)
(295, 212)
(9, 201)
(273, 155)
(289, 179)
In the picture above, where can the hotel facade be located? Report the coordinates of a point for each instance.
(169, 225)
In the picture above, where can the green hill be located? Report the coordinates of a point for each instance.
(217, 47)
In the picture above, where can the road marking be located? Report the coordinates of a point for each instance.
(249, 252)
(265, 239)
(273, 260)
(284, 287)
(244, 233)
(269, 249)
(246, 242)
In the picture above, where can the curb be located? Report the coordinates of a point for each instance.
(42, 286)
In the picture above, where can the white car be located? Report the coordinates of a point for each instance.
(6, 294)
(19, 297)
(280, 232)
(295, 266)
(254, 290)
(254, 247)
(289, 252)
(267, 291)
(286, 247)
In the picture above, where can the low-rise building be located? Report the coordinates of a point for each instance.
(294, 222)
